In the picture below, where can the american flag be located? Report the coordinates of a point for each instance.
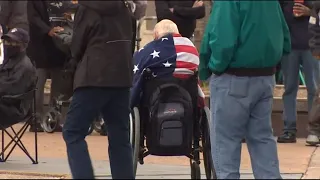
(169, 56)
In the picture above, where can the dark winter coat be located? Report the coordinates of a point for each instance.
(101, 44)
(17, 76)
(298, 26)
(183, 14)
(42, 49)
(13, 14)
(314, 29)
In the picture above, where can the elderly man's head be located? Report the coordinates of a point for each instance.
(165, 27)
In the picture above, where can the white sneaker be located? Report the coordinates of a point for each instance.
(313, 140)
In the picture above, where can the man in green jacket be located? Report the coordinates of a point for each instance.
(243, 43)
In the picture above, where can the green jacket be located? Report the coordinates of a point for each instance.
(243, 34)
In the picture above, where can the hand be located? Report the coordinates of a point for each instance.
(197, 3)
(171, 9)
(301, 10)
(54, 30)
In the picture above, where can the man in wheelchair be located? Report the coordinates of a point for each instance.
(17, 76)
(169, 55)
(167, 103)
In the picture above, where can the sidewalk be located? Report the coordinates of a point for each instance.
(59, 168)
(296, 160)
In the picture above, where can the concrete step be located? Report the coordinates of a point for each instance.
(302, 103)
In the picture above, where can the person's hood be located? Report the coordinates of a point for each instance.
(104, 7)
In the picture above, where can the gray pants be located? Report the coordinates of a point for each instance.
(314, 114)
(241, 108)
(43, 75)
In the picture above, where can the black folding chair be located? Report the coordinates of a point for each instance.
(16, 136)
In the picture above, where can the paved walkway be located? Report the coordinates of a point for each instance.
(59, 167)
(296, 160)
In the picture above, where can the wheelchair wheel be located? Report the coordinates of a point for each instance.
(195, 170)
(51, 120)
(206, 145)
(135, 136)
(97, 124)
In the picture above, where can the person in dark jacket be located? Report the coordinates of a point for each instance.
(297, 17)
(138, 9)
(17, 76)
(102, 59)
(182, 13)
(314, 29)
(49, 60)
(13, 14)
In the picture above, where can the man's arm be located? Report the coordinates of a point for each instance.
(81, 31)
(5, 10)
(223, 34)
(141, 7)
(286, 35)
(34, 17)
(190, 12)
(163, 11)
(19, 17)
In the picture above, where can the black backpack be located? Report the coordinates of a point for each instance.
(169, 131)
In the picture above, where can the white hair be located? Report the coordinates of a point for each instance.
(165, 27)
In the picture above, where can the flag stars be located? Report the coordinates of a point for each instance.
(135, 69)
(155, 54)
(167, 64)
(162, 39)
(154, 75)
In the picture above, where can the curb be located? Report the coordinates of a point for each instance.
(61, 176)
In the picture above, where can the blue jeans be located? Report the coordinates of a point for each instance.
(241, 108)
(87, 103)
(290, 67)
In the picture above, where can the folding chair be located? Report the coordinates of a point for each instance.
(16, 136)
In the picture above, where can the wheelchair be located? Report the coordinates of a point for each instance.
(54, 117)
(200, 143)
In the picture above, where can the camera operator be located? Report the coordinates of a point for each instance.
(48, 58)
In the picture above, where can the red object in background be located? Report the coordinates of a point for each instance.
(295, 13)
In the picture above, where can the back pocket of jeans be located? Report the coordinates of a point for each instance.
(239, 87)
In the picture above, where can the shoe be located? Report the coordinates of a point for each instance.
(287, 137)
(37, 127)
(313, 140)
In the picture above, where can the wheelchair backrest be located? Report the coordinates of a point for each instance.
(153, 84)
